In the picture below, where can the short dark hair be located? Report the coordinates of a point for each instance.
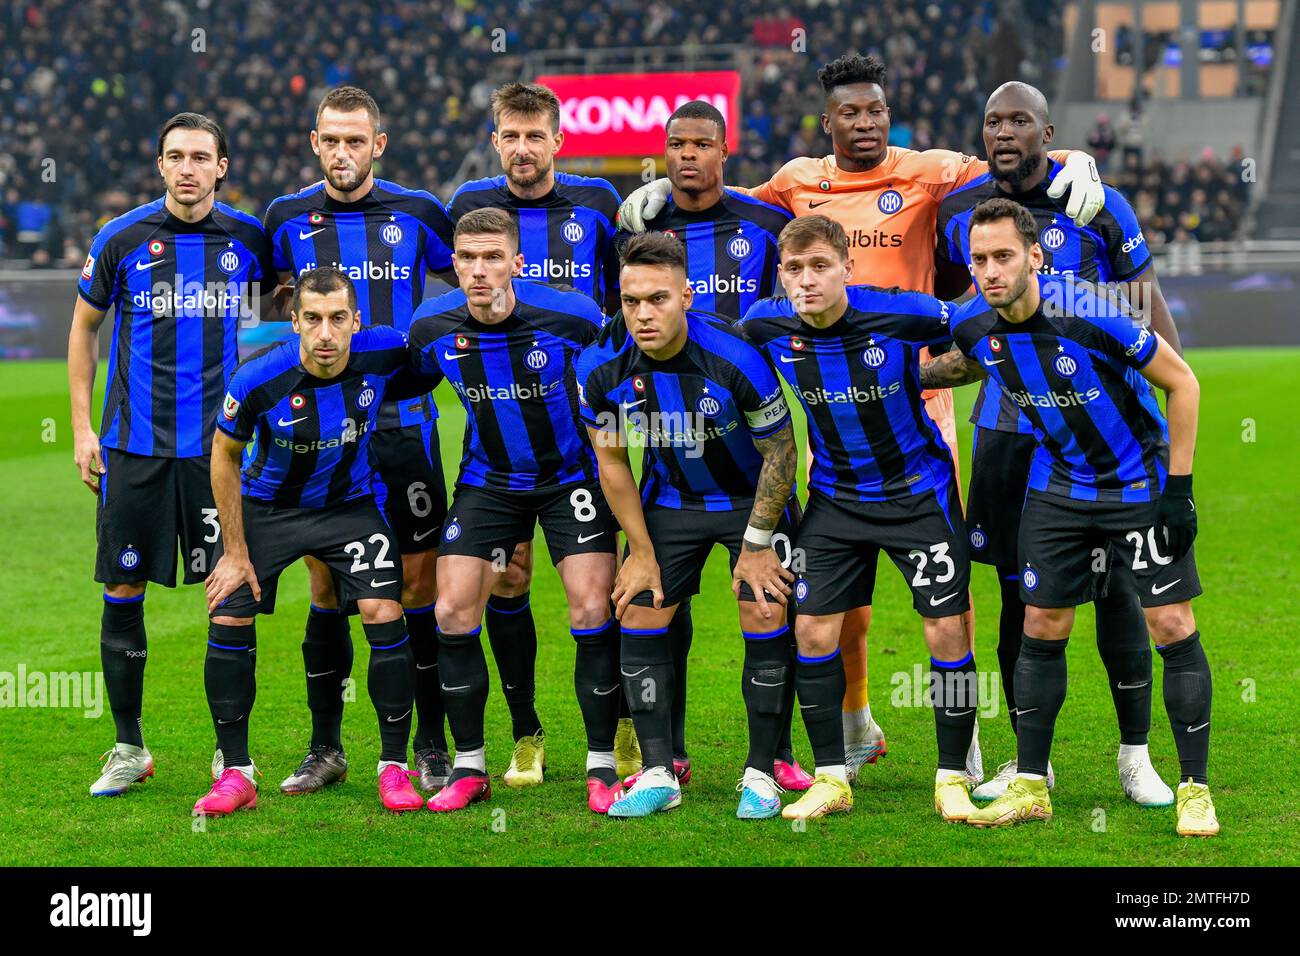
(698, 109)
(196, 121)
(852, 68)
(323, 280)
(997, 209)
(798, 234)
(654, 249)
(527, 99)
(489, 221)
(349, 99)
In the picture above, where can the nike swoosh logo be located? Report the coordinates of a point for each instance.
(510, 686)
(1123, 686)
(380, 584)
(321, 674)
(814, 205)
(146, 266)
(1164, 588)
(283, 424)
(393, 720)
(235, 721)
(448, 690)
(960, 713)
(308, 235)
(994, 362)
(1192, 730)
(935, 602)
(584, 538)
(425, 667)
(627, 405)
(635, 673)
(604, 693)
(454, 356)
(1021, 713)
(758, 683)
(806, 706)
(423, 534)
(787, 359)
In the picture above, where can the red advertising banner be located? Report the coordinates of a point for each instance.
(623, 114)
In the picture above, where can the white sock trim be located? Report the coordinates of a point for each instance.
(470, 760)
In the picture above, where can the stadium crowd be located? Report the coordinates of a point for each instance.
(78, 115)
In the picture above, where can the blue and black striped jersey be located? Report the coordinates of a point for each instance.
(385, 242)
(697, 413)
(516, 380)
(1068, 368)
(860, 385)
(310, 437)
(1110, 249)
(731, 256)
(181, 290)
(566, 236)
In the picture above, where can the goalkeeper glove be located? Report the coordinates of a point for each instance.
(645, 203)
(1080, 177)
(1176, 515)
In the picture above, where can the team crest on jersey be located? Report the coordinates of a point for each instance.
(1053, 237)
(638, 383)
(1065, 366)
(316, 218)
(156, 248)
(995, 344)
(572, 231)
(890, 201)
(873, 356)
(708, 406)
(537, 359)
(796, 344)
(129, 559)
(297, 402)
(230, 408)
(739, 248)
(452, 532)
(88, 269)
(978, 539)
(366, 397)
(228, 261)
(801, 590)
(462, 342)
(391, 234)
(1030, 579)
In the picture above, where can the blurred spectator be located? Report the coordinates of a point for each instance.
(1101, 141)
(1133, 130)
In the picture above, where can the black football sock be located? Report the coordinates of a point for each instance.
(597, 683)
(464, 685)
(784, 745)
(954, 695)
(229, 678)
(123, 651)
(327, 656)
(646, 665)
(513, 636)
(1125, 650)
(391, 680)
(1011, 624)
(820, 685)
(1040, 692)
(765, 680)
(681, 631)
(1188, 692)
(430, 729)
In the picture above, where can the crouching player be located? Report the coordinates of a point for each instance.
(1109, 474)
(719, 468)
(882, 480)
(308, 406)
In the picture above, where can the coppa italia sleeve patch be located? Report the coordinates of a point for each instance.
(88, 270)
(230, 409)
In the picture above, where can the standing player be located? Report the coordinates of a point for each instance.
(507, 348)
(1110, 250)
(566, 230)
(719, 469)
(731, 260)
(882, 480)
(1108, 474)
(308, 406)
(182, 270)
(385, 238)
(886, 198)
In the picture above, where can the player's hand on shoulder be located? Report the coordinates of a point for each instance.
(639, 573)
(86, 453)
(761, 569)
(229, 573)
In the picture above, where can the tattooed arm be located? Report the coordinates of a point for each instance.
(758, 565)
(950, 370)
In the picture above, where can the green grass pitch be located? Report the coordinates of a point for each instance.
(49, 622)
